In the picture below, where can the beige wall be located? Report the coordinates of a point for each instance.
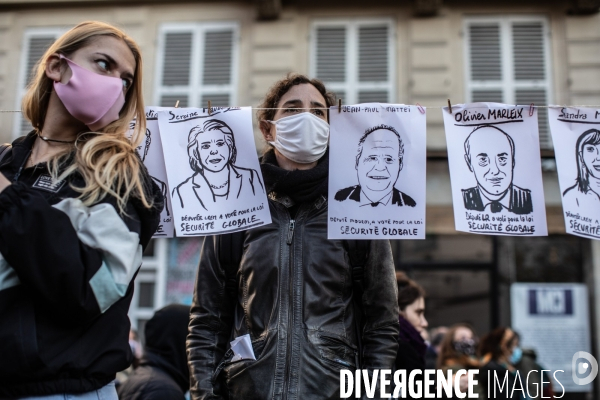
(582, 45)
(429, 51)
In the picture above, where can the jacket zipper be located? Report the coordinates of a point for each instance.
(290, 235)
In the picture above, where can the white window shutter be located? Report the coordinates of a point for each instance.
(487, 95)
(217, 71)
(331, 53)
(373, 68)
(176, 68)
(36, 46)
(485, 51)
(353, 58)
(331, 58)
(218, 57)
(529, 59)
(197, 64)
(508, 63)
(528, 50)
(177, 59)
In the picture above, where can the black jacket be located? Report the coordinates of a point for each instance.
(411, 348)
(163, 372)
(399, 198)
(497, 374)
(149, 382)
(66, 281)
(294, 299)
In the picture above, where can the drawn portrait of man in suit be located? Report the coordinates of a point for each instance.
(490, 156)
(378, 164)
(215, 179)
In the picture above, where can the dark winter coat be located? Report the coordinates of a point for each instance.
(163, 372)
(411, 348)
(66, 280)
(294, 299)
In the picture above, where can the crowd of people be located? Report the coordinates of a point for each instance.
(278, 311)
(458, 347)
(161, 372)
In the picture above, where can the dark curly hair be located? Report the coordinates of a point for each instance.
(492, 343)
(281, 87)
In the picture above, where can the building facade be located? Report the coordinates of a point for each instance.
(426, 52)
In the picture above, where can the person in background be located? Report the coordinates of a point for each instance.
(289, 297)
(435, 344)
(525, 361)
(496, 349)
(77, 209)
(136, 350)
(163, 373)
(136, 347)
(411, 345)
(458, 351)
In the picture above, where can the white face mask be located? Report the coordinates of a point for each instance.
(302, 138)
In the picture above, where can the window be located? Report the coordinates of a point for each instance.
(355, 59)
(150, 284)
(197, 63)
(35, 43)
(508, 62)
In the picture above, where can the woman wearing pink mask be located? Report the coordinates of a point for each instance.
(77, 208)
(307, 307)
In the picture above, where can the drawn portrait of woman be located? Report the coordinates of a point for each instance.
(212, 154)
(586, 191)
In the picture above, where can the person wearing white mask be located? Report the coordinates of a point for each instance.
(299, 297)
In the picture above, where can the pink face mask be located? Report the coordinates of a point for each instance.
(93, 99)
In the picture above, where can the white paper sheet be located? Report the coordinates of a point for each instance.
(377, 172)
(495, 169)
(151, 153)
(576, 138)
(242, 348)
(214, 175)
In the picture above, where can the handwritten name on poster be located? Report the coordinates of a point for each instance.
(495, 169)
(377, 172)
(576, 138)
(215, 179)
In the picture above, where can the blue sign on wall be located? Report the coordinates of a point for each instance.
(550, 302)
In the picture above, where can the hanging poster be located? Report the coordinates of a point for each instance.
(576, 138)
(495, 169)
(214, 175)
(151, 152)
(377, 172)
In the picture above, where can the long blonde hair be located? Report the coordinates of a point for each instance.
(106, 159)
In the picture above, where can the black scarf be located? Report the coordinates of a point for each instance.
(410, 335)
(300, 185)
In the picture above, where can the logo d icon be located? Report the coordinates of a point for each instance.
(582, 367)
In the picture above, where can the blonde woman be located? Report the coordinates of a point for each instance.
(77, 207)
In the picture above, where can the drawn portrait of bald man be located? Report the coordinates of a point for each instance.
(490, 156)
(378, 164)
